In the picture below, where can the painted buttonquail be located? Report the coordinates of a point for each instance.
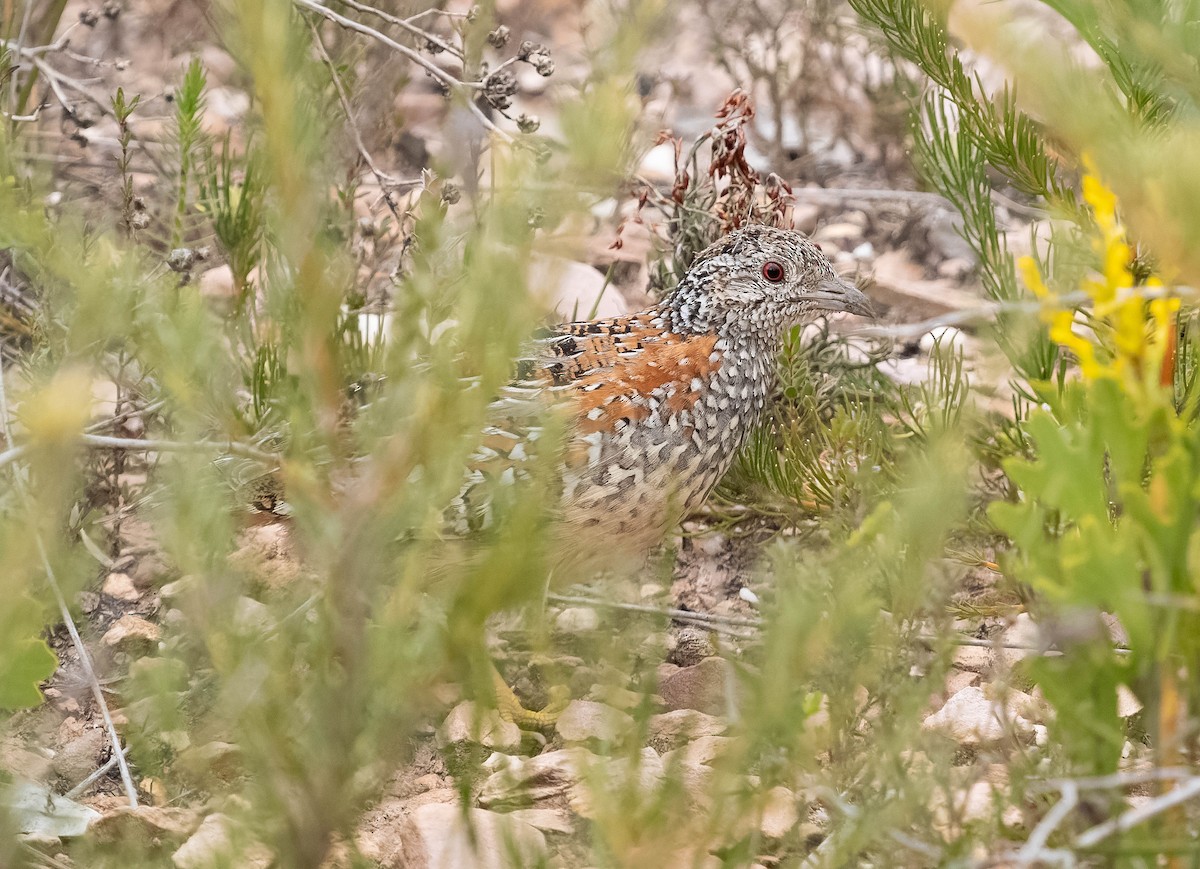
(658, 402)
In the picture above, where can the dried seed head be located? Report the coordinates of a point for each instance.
(538, 56)
(498, 38)
(498, 87)
(181, 260)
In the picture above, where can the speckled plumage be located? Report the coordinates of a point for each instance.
(659, 402)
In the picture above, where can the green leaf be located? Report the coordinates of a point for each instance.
(24, 664)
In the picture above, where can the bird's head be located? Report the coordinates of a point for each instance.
(760, 280)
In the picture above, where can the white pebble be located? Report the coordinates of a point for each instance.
(945, 337)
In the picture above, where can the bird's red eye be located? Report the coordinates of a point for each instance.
(773, 271)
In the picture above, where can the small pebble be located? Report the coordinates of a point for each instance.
(577, 620)
(945, 337)
(120, 586)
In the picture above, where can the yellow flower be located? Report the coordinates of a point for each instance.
(1032, 277)
(1128, 340)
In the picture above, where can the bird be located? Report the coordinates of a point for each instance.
(654, 404)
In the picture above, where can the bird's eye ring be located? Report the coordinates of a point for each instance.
(773, 271)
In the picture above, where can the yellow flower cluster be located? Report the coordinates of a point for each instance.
(1129, 337)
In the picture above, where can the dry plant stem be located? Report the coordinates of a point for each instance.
(917, 197)
(433, 69)
(715, 620)
(1031, 851)
(1189, 790)
(95, 776)
(85, 660)
(677, 614)
(57, 79)
(95, 551)
(1035, 852)
(156, 446)
(404, 25)
(123, 416)
(386, 181)
(16, 47)
(988, 311)
(1127, 779)
(22, 119)
(843, 194)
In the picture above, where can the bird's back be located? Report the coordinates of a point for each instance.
(651, 419)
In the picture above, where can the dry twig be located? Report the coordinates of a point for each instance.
(433, 69)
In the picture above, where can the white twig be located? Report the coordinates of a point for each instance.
(1034, 851)
(988, 311)
(154, 446)
(842, 194)
(54, 77)
(85, 661)
(933, 852)
(18, 46)
(677, 614)
(1190, 790)
(358, 27)
(96, 775)
(124, 415)
(1126, 779)
(1031, 851)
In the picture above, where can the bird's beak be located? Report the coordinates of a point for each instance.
(836, 294)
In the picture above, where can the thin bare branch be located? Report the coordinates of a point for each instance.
(386, 181)
(1031, 851)
(756, 623)
(989, 311)
(1127, 779)
(1189, 790)
(405, 24)
(155, 446)
(82, 788)
(432, 68)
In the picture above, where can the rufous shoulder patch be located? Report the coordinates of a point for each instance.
(621, 387)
